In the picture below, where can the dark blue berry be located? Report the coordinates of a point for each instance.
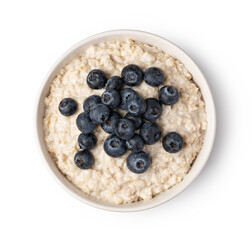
(168, 95)
(137, 120)
(124, 129)
(150, 132)
(84, 123)
(87, 141)
(84, 159)
(126, 94)
(136, 105)
(132, 75)
(114, 82)
(135, 144)
(109, 125)
(67, 107)
(114, 146)
(111, 98)
(96, 79)
(172, 142)
(99, 113)
(154, 76)
(153, 109)
(138, 162)
(90, 102)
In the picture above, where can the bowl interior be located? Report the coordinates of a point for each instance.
(175, 52)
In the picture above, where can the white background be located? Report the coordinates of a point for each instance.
(217, 34)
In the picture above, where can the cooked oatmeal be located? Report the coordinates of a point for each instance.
(109, 179)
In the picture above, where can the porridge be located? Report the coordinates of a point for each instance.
(109, 179)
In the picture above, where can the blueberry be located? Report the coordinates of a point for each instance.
(84, 159)
(124, 129)
(114, 146)
(67, 107)
(126, 94)
(172, 142)
(114, 82)
(99, 113)
(87, 141)
(138, 121)
(132, 75)
(84, 123)
(138, 162)
(136, 105)
(111, 98)
(154, 76)
(153, 109)
(168, 95)
(90, 102)
(150, 132)
(96, 79)
(109, 125)
(135, 144)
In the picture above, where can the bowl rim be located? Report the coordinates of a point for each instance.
(121, 208)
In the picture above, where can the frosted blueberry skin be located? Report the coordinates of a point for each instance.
(137, 120)
(67, 107)
(138, 162)
(114, 82)
(84, 123)
(154, 76)
(111, 98)
(100, 113)
(90, 102)
(109, 125)
(96, 79)
(87, 141)
(132, 75)
(114, 146)
(150, 132)
(135, 144)
(153, 109)
(126, 94)
(84, 159)
(172, 142)
(168, 95)
(136, 105)
(124, 129)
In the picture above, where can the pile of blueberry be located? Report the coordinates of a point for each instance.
(141, 116)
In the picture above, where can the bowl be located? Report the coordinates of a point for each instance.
(199, 79)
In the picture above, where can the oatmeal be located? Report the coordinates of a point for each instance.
(109, 179)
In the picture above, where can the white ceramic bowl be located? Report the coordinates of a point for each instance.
(198, 77)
